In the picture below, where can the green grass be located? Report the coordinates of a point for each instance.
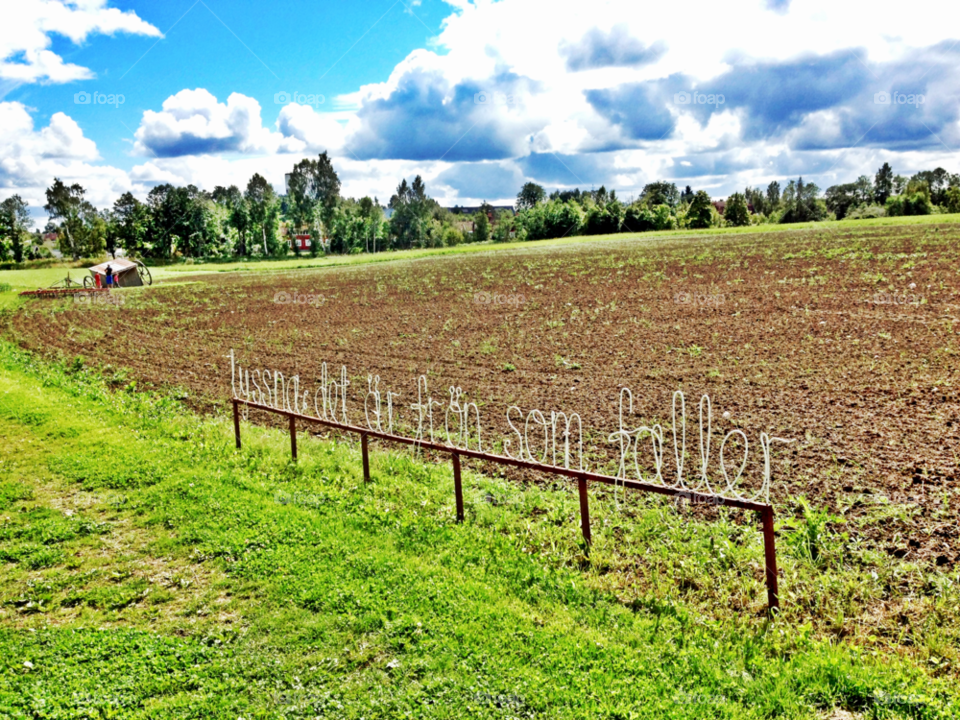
(147, 569)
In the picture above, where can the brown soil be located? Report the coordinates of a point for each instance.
(846, 342)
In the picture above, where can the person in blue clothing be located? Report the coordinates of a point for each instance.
(109, 274)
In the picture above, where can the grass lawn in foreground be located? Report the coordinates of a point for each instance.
(150, 570)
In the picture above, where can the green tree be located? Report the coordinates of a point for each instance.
(660, 193)
(937, 183)
(883, 184)
(604, 218)
(238, 214)
(773, 196)
(757, 199)
(313, 191)
(372, 215)
(638, 218)
(169, 219)
(736, 212)
(863, 190)
(530, 196)
(505, 227)
(918, 186)
(14, 224)
(564, 195)
(481, 227)
(261, 200)
(802, 204)
(79, 235)
(700, 212)
(412, 211)
(663, 218)
(952, 198)
(129, 225)
(840, 199)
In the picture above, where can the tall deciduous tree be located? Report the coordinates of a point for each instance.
(411, 214)
(313, 190)
(773, 196)
(14, 221)
(863, 190)
(129, 226)
(81, 229)
(883, 184)
(530, 195)
(736, 212)
(757, 199)
(660, 193)
(700, 214)
(261, 198)
(238, 214)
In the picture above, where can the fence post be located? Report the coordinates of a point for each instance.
(770, 558)
(366, 457)
(458, 486)
(584, 509)
(236, 421)
(293, 437)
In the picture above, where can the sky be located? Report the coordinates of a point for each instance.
(476, 96)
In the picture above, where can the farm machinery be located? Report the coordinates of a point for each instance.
(116, 273)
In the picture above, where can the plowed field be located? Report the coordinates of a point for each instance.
(846, 342)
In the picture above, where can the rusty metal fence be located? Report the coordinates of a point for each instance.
(582, 477)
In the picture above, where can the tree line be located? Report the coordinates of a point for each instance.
(663, 206)
(254, 222)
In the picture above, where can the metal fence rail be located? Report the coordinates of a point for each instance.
(582, 477)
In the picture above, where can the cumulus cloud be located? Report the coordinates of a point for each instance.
(31, 158)
(642, 110)
(589, 98)
(778, 6)
(317, 131)
(426, 117)
(476, 182)
(25, 36)
(192, 122)
(614, 49)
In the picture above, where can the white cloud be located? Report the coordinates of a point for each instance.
(317, 131)
(28, 24)
(30, 158)
(193, 122)
(423, 118)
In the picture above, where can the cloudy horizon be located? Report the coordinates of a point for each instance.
(477, 97)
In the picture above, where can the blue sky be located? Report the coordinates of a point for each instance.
(478, 96)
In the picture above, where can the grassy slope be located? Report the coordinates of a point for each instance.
(149, 570)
